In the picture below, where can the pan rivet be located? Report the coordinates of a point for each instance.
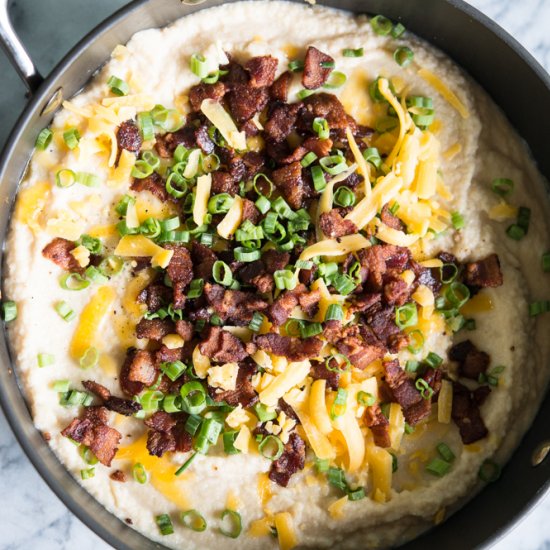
(541, 452)
(53, 103)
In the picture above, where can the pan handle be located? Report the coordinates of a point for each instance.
(16, 52)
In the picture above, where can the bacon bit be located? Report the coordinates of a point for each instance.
(484, 273)
(279, 89)
(290, 182)
(292, 460)
(333, 225)
(128, 136)
(154, 184)
(202, 91)
(137, 371)
(59, 252)
(154, 329)
(244, 393)
(379, 426)
(466, 413)
(118, 475)
(472, 362)
(221, 346)
(295, 349)
(262, 70)
(315, 74)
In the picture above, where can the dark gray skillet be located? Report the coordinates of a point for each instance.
(509, 74)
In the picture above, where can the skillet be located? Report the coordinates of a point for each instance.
(493, 58)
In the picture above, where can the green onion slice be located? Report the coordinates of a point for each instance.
(381, 25)
(502, 186)
(199, 65)
(43, 139)
(366, 399)
(193, 396)
(350, 52)
(340, 403)
(321, 128)
(140, 473)
(403, 56)
(65, 178)
(271, 447)
(406, 315)
(424, 388)
(73, 281)
(336, 80)
(118, 86)
(489, 471)
(9, 311)
(186, 464)
(164, 524)
(438, 467)
(71, 138)
(235, 523)
(193, 520)
(45, 359)
(344, 196)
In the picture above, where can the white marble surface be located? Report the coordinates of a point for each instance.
(31, 516)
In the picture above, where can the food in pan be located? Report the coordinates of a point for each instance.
(275, 277)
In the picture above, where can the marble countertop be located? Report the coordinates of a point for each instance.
(32, 516)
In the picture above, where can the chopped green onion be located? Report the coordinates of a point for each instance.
(344, 196)
(88, 473)
(295, 66)
(73, 281)
(366, 399)
(409, 429)
(208, 434)
(470, 324)
(193, 423)
(271, 447)
(350, 52)
(61, 386)
(489, 471)
(88, 456)
(146, 126)
(243, 254)
(372, 155)
(87, 179)
(285, 279)
(457, 219)
(334, 164)
(256, 322)
(310, 329)
(308, 159)
(448, 273)
(65, 178)
(283, 209)
(193, 520)
(195, 288)
(141, 169)
(262, 204)
(173, 370)
(438, 467)
(398, 30)
(515, 232)
(71, 138)
(222, 273)
(118, 86)
(344, 284)
(140, 473)
(263, 413)
(186, 464)
(536, 308)
(235, 521)
(446, 454)
(123, 204)
(45, 359)
(356, 494)
(90, 358)
(91, 243)
(164, 523)
(406, 315)
(9, 311)
(229, 442)
(220, 204)
(193, 396)
(545, 261)
(259, 188)
(416, 341)
(381, 25)
(334, 313)
(502, 186)
(319, 182)
(150, 400)
(76, 398)
(302, 94)
(321, 128)
(424, 388)
(111, 265)
(43, 139)
(403, 56)
(199, 65)
(386, 124)
(411, 365)
(337, 478)
(343, 364)
(433, 360)
(457, 294)
(524, 217)
(336, 80)
(339, 406)
(322, 464)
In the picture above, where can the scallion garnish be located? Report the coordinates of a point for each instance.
(45, 359)
(271, 447)
(195, 288)
(61, 386)
(489, 471)
(403, 56)
(365, 399)
(222, 273)
(339, 406)
(256, 322)
(424, 388)
(446, 454)
(438, 467)
(416, 339)
(457, 219)
(308, 159)
(310, 329)
(118, 86)
(502, 186)
(164, 524)
(536, 308)
(173, 370)
(208, 434)
(193, 396)
(545, 262)
(321, 128)
(372, 155)
(140, 473)
(235, 524)
(87, 179)
(199, 65)
(186, 464)
(87, 473)
(351, 52)
(243, 254)
(344, 196)
(406, 315)
(193, 520)
(65, 178)
(457, 294)
(43, 139)
(71, 138)
(296, 66)
(9, 311)
(302, 94)
(73, 281)
(381, 25)
(150, 400)
(337, 362)
(220, 204)
(334, 313)
(433, 360)
(146, 126)
(285, 279)
(318, 178)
